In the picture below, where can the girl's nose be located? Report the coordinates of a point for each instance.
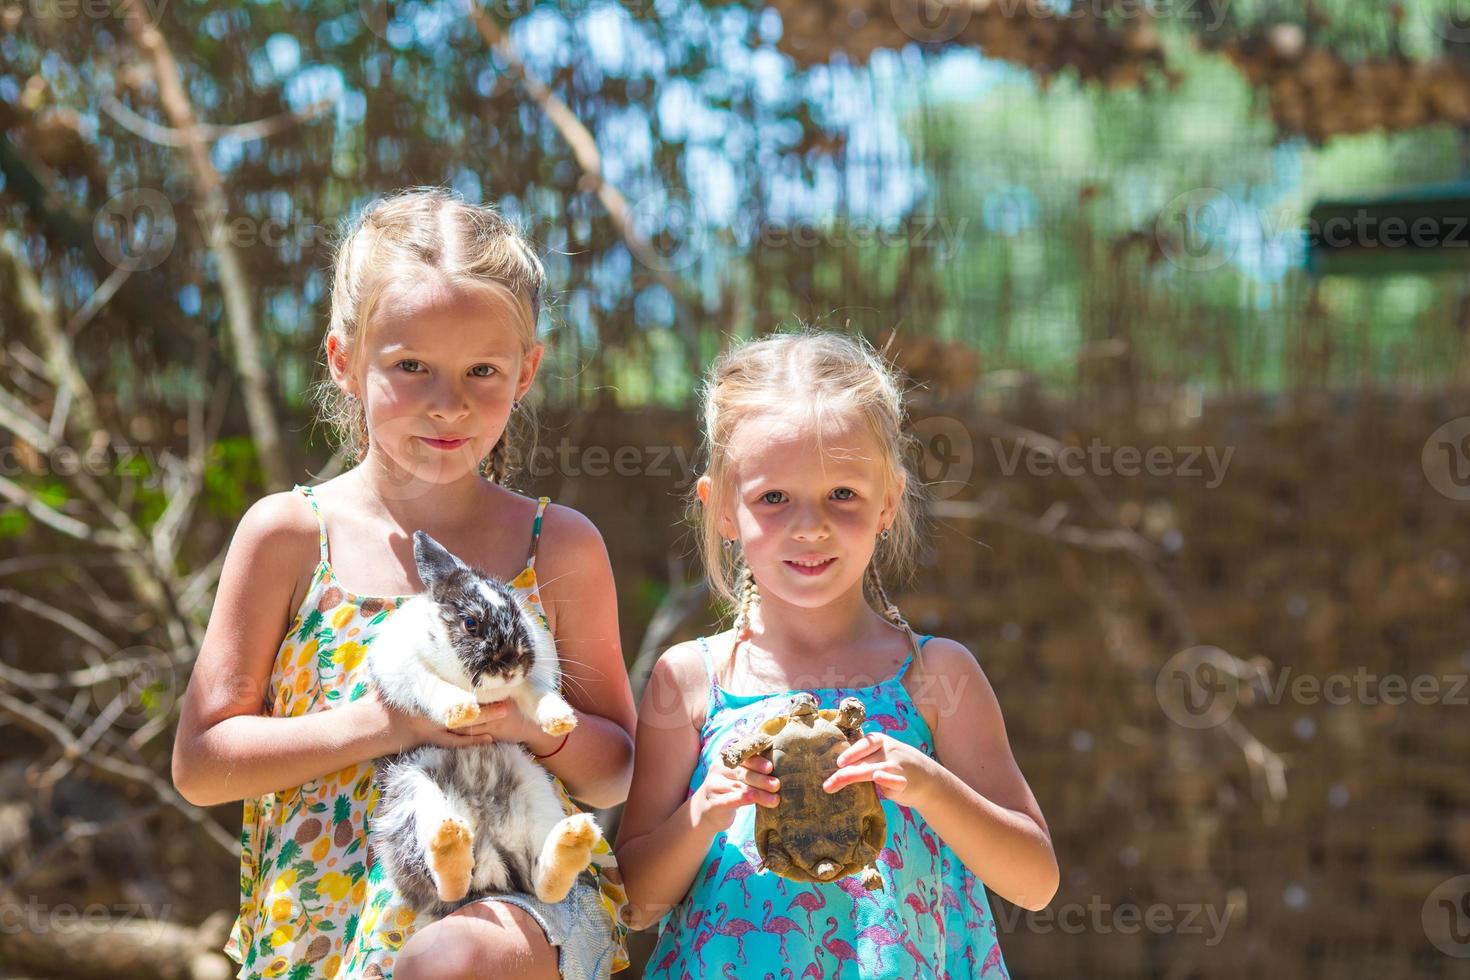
(449, 404)
(809, 522)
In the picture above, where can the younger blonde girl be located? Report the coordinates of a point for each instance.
(806, 504)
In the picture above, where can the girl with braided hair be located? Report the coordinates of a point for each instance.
(807, 509)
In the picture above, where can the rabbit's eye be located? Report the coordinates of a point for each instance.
(470, 624)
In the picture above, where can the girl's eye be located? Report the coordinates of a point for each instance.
(411, 366)
(488, 369)
(769, 494)
(469, 623)
(850, 493)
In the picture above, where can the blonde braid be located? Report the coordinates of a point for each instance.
(886, 606)
(495, 469)
(750, 597)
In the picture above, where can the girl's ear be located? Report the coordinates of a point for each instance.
(891, 497)
(702, 488)
(530, 364)
(339, 362)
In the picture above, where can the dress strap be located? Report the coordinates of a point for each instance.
(709, 665)
(541, 503)
(321, 524)
(918, 645)
(716, 699)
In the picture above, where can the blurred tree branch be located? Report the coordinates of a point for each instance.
(589, 158)
(265, 428)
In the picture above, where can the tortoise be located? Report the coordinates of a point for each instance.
(812, 835)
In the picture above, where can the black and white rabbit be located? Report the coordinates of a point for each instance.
(454, 824)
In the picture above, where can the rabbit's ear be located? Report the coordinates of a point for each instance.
(434, 561)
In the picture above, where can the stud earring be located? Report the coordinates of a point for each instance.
(884, 534)
(515, 405)
(727, 544)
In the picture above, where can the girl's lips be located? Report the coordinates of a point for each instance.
(444, 443)
(810, 569)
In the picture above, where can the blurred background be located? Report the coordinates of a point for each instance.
(1181, 286)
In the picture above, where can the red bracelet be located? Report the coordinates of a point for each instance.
(555, 750)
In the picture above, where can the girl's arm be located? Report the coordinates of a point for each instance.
(663, 837)
(226, 748)
(596, 761)
(975, 798)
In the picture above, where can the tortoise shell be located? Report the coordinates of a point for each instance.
(812, 835)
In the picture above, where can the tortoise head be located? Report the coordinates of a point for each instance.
(803, 704)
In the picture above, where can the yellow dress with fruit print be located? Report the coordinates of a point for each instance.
(314, 903)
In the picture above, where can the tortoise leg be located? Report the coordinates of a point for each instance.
(871, 878)
(875, 831)
(741, 749)
(775, 858)
(850, 717)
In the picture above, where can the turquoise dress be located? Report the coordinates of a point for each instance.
(931, 918)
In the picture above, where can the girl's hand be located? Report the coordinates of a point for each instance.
(726, 790)
(503, 721)
(407, 730)
(900, 772)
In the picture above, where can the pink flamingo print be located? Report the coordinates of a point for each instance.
(930, 844)
(668, 961)
(882, 938)
(977, 907)
(855, 891)
(992, 962)
(701, 939)
(714, 867)
(727, 971)
(951, 900)
(740, 872)
(780, 925)
(809, 901)
(918, 903)
(918, 954)
(892, 858)
(735, 928)
(813, 969)
(840, 948)
(889, 723)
